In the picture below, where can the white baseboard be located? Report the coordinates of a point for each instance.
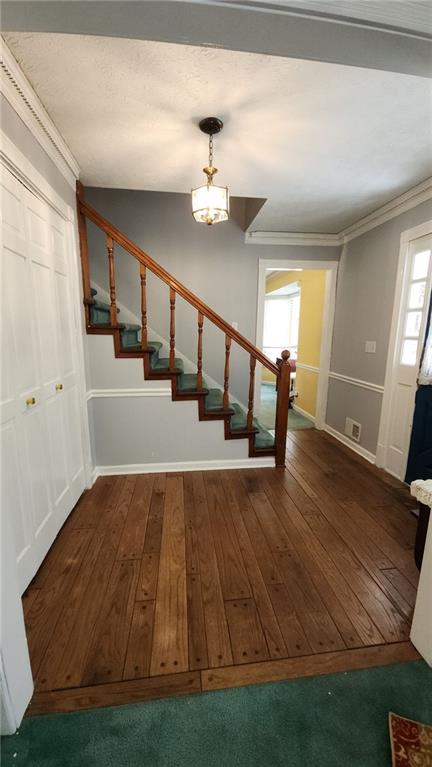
(150, 468)
(300, 410)
(346, 441)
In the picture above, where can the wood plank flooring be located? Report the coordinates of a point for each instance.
(164, 585)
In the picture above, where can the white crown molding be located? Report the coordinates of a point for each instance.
(357, 382)
(353, 445)
(18, 164)
(406, 201)
(292, 238)
(19, 93)
(150, 468)
(410, 199)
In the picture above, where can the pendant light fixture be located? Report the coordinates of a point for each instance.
(210, 203)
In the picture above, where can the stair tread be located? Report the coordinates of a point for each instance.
(130, 327)
(264, 439)
(214, 401)
(189, 382)
(162, 364)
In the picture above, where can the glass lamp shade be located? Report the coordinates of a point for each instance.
(210, 204)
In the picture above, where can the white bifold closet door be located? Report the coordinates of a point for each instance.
(41, 438)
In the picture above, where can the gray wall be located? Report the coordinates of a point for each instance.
(214, 262)
(364, 306)
(18, 132)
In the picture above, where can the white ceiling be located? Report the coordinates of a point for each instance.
(408, 15)
(324, 143)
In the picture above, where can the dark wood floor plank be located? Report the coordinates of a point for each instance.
(153, 536)
(312, 613)
(277, 538)
(47, 608)
(247, 637)
(132, 540)
(343, 525)
(349, 615)
(138, 655)
(272, 632)
(148, 578)
(80, 616)
(192, 554)
(233, 578)
(91, 505)
(292, 631)
(218, 643)
(29, 596)
(107, 651)
(263, 555)
(401, 558)
(382, 611)
(309, 665)
(196, 624)
(170, 636)
(116, 694)
(401, 583)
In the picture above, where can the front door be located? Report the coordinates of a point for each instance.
(410, 334)
(420, 451)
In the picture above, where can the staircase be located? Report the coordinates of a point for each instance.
(132, 341)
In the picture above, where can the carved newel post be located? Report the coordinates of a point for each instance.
(282, 405)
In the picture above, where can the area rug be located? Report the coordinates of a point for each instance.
(337, 720)
(411, 742)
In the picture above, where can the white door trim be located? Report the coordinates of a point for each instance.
(331, 268)
(384, 429)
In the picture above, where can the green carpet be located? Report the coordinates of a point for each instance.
(267, 410)
(338, 720)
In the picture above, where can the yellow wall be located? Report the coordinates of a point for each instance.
(312, 289)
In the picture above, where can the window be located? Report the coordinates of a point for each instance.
(413, 308)
(281, 324)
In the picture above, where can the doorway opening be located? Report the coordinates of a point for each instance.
(295, 312)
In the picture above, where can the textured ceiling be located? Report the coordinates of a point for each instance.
(325, 144)
(408, 15)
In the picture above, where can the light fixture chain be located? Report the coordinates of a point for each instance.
(210, 150)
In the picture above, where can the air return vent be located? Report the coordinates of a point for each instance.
(353, 429)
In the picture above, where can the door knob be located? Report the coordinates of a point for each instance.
(59, 387)
(31, 401)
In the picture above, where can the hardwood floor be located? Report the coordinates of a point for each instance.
(162, 585)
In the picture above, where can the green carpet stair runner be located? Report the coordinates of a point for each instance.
(100, 314)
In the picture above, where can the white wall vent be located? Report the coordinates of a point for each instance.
(353, 429)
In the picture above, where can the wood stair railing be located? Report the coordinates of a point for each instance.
(281, 370)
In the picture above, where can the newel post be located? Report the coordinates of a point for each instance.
(282, 405)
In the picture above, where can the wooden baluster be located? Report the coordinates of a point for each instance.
(226, 373)
(143, 279)
(85, 268)
(282, 405)
(110, 249)
(172, 329)
(199, 363)
(251, 393)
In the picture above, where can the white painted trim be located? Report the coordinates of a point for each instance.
(331, 268)
(292, 238)
(150, 468)
(357, 382)
(23, 99)
(353, 445)
(300, 410)
(385, 421)
(111, 393)
(406, 201)
(410, 199)
(302, 366)
(18, 164)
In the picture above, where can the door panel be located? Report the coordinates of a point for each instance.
(412, 321)
(42, 455)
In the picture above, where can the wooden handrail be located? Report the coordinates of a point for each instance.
(144, 259)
